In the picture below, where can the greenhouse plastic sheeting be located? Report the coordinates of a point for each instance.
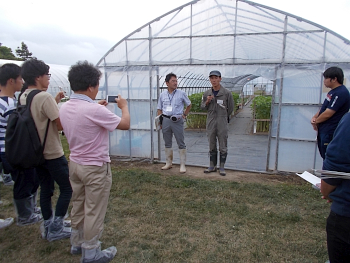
(243, 40)
(58, 77)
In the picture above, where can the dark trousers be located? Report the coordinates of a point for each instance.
(52, 171)
(322, 142)
(26, 181)
(338, 238)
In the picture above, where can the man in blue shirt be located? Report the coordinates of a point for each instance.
(335, 105)
(171, 105)
(337, 191)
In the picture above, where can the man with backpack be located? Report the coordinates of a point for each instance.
(26, 182)
(45, 113)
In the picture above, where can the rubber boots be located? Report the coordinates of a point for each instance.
(213, 155)
(169, 159)
(25, 212)
(76, 240)
(182, 161)
(56, 230)
(223, 157)
(37, 210)
(44, 227)
(95, 255)
(7, 179)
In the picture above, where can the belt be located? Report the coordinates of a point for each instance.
(166, 116)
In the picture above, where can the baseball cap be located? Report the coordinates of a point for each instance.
(215, 73)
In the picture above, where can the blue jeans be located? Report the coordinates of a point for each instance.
(322, 141)
(55, 170)
(338, 238)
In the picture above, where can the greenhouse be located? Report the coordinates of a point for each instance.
(243, 40)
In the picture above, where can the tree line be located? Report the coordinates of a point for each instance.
(21, 52)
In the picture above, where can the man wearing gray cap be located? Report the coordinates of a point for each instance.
(218, 101)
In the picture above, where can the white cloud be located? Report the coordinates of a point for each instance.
(63, 32)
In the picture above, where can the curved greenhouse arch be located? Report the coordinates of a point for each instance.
(240, 38)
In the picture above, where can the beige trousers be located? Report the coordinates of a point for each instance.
(91, 187)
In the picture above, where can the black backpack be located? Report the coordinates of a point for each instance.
(23, 148)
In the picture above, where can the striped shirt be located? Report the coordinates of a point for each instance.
(81, 97)
(7, 106)
(175, 101)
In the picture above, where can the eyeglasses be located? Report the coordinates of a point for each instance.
(49, 75)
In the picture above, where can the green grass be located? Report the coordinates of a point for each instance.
(154, 218)
(220, 221)
(158, 218)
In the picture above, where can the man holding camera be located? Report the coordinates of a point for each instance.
(171, 105)
(87, 125)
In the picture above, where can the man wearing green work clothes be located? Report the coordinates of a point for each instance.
(218, 101)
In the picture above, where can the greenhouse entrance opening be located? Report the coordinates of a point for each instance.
(247, 147)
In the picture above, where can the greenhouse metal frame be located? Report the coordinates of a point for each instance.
(242, 39)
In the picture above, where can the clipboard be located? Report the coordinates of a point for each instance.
(314, 180)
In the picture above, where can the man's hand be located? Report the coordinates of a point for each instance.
(102, 102)
(209, 99)
(328, 199)
(59, 96)
(121, 102)
(313, 123)
(326, 189)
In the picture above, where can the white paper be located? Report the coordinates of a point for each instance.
(310, 178)
(157, 122)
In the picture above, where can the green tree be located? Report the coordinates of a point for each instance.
(6, 53)
(23, 52)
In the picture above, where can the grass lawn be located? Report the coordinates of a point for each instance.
(152, 217)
